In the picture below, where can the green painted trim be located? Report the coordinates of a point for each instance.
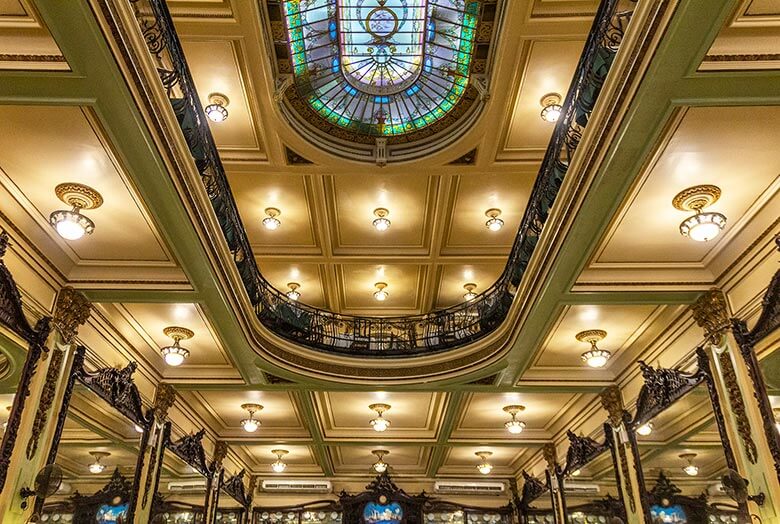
(16, 355)
(321, 457)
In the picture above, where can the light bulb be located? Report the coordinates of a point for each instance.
(216, 113)
(485, 468)
(380, 466)
(551, 113)
(69, 228)
(596, 358)
(278, 466)
(702, 227)
(270, 222)
(645, 429)
(691, 470)
(97, 467)
(576, 473)
(494, 224)
(381, 222)
(250, 425)
(380, 294)
(380, 424)
(515, 426)
(174, 355)
(138, 429)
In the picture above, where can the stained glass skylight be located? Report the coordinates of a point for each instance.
(381, 67)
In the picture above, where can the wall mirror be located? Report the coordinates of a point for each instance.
(588, 479)
(182, 487)
(683, 448)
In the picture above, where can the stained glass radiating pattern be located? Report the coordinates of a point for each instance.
(381, 67)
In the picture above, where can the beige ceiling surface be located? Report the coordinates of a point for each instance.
(750, 39)
(25, 42)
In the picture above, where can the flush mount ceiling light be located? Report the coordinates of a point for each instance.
(278, 465)
(379, 423)
(138, 429)
(689, 468)
(494, 223)
(469, 295)
(270, 222)
(594, 357)
(514, 426)
(551, 104)
(251, 424)
(380, 294)
(293, 294)
(645, 429)
(97, 466)
(576, 473)
(174, 355)
(702, 226)
(484, 467)
(216, 109)
(381, 222)
(380, 466)
(71, 224)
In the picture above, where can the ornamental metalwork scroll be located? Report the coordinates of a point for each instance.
(116, 386)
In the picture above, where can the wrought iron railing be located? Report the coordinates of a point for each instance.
(396, 336)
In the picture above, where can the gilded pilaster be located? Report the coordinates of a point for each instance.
(625, 459)
(739, 404)
(37, 407)
(214, 483)
(553, 481)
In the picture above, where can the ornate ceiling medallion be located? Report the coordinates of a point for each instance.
(702, 226)
(71, 224)
(594, 357)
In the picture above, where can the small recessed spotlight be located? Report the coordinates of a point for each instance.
(293, 294)
(381, 222)
(493, 223)
(216, 109)
(270, 222)
(380, 294)
(70, 223)
(702, 226)
(552, 109)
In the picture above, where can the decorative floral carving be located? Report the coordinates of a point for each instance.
(711, 313)
(116, 387)
(234, 486)
(47, 399)
(738, 406)
(627, 480)
(164, 398)
(582, 450)
(189, 448)
(612, 401)
(550, 456)
(11, 311)
(71, 311)
(220, 452)
(662, 387)
(533, 488)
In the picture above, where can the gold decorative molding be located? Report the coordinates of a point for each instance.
(47, 399)
(696, 198)
(71, 311)
(78, 195)
(711, 313)
(550, 456)
(612, 402)
(737, 404)
(6, 57)
(220, 452)
(164, 398)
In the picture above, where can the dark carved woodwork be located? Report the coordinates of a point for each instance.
(661, 389)
(533, 488)
(666, 493)
(12, 317)
(46, 400)
(116, 387)
(234, 486)
(768, 322)
(382, 490)
(581, 451)
(737, 404)
(86, 506)
(189, 448)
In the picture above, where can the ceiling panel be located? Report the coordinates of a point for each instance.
(310, 277)
(300, 460)
(359, 459)
(452, 278)
(404, 286)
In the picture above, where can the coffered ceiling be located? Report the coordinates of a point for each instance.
(618, 262)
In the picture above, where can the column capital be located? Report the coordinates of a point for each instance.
(220, 452)
(164, 398)
(711, 313)
(550, 456)
(71, 310)
(612, 402)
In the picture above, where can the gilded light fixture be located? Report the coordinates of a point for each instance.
(270, 222)
(381, 222)
(251, 424)
(514, 426)
(469, 295)
(645, 429)
(702, 226)
(689, 468)
(551, 104)
(484, 467)
(215, 110)
(97, 466)
(71, 224)
(278, 465)
(174, 355)
(380, 294)
(379, 423)
(594, 357)
(380, 466)
(494, 223)
(293, 294)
